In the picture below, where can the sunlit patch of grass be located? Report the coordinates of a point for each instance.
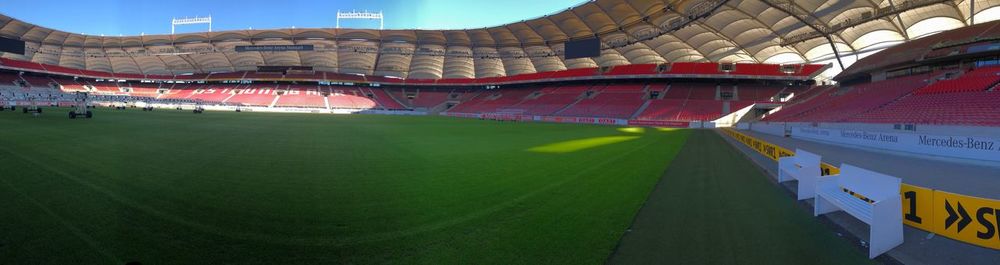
(580, 144)
(632, 129)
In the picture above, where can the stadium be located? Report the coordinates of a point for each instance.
(520, 132)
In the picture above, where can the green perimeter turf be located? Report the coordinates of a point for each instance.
(714, 206)
(171, 187)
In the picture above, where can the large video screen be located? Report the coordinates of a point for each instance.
(583, 48)
(11, 45)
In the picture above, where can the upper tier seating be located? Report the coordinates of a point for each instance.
(632, 69)
(233, 75)
(313, 76)
(21, 64)
(756, 69)
(916, 48)
(757, 92)
(695, 68)
(975, 80)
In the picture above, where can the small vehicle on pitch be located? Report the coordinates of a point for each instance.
(80, 106)
(34, 109)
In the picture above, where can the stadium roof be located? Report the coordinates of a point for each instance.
(633, 32)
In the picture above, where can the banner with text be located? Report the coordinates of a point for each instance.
(978, 148)
(675, 124)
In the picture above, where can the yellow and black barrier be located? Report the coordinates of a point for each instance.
(964, 218)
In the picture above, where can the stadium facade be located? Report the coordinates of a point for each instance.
(916, 77)
(632, 32)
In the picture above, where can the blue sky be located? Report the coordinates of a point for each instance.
(124, 17)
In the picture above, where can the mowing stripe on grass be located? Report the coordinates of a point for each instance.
(62, 221)
(713, 206)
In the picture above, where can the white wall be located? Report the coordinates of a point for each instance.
(949, 146)
(774, 128)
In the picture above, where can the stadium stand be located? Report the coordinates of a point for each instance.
(552, 99)
(632, 69)
(349, 98)
(9, 79)
(301, 96)
(700, 110)
(979, 79)
(211, 93)
(106, 87)
(142, 89)
(612, 101)
(255, 95)
(429, 98)
(851, 101)
(916, 50)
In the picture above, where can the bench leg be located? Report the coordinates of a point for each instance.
(886, 227)
(822, 206)
(782, 176)
(807, 187)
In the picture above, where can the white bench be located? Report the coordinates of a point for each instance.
(882, 212)
(804, 167)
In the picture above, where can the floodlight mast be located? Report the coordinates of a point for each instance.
(188, 21)
(361, 15)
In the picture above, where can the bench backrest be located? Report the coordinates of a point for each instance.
(873, 185)
(805, 158)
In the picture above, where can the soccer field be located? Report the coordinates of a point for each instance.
(171, 187)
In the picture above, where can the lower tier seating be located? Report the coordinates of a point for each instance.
(302, 96)
(607, 105)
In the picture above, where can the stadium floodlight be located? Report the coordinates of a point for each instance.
(361, 15)
(188, 21)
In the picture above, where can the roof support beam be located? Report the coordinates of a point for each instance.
(833, 29)
(194, 64)
(972, 12)
(959, 12)
(786, 10)
(827, 25)
(900, 20)
(836, 53)
(765, 26)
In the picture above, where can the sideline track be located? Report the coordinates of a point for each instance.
(714, 206)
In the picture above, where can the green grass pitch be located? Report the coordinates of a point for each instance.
(171, 187)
